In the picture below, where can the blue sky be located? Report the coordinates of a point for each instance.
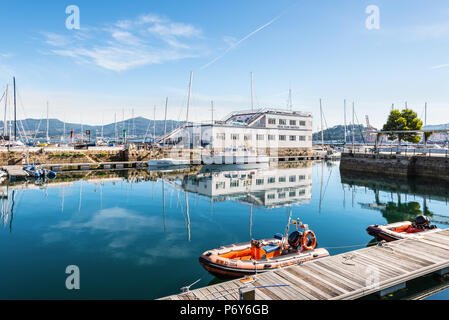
(132, 54)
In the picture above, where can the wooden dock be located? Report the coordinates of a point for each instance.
(381, 269)
(15, 171)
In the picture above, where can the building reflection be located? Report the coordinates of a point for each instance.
(266, 187)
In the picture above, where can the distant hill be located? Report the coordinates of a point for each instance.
(136, 127)
(437, 127)
(337, 133)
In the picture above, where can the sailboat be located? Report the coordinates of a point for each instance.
(171, 162)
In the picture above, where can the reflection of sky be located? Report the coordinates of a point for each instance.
(126, 247)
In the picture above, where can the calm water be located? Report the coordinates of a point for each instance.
(136, 237)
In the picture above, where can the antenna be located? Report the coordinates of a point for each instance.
(212, 110)
(290, 101)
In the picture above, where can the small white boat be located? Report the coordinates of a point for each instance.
(234, 156)
(168, 162)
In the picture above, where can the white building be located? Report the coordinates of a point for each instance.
(261, 129)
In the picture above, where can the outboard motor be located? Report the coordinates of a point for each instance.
(294, 239)
(422, 221)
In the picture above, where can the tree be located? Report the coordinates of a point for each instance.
(405, 120)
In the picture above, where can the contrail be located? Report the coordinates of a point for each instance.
(440, 66)
(242, 40)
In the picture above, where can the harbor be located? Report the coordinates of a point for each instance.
(120, 211)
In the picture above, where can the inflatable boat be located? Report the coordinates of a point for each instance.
(257, 256)
(402, 230)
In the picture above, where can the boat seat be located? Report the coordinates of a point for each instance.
(270, 248)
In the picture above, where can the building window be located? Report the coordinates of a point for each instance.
(292, 179)
(302, 123)
(282, 138)
(272, 180)
(234, 184)
(282, 179)
(302, 138)
(282, 122)
(302, 177)
(271, 121)
(260, 137)
(292, 138)
(292, 194)
(271, 137)
(259, 182)
(221, 136)
(281, 195)
(271, 196)
(247, 137)
(293, 122)
(220, 185)
(234, 136)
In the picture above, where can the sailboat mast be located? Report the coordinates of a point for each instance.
(165, 119)
(353, 121)
(15, 109)
(188, 98)
(48, 139)
(154, 124)
(115, 126)
(425, 114)
(322, 129)
(5, 126)
(252, 92)
(345, 118)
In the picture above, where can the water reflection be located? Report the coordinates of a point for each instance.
(399, 208)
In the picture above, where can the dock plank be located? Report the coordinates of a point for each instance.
(344, 276)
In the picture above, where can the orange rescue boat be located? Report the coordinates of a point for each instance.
(256, 256)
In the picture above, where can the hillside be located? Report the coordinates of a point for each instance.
(337, 133)
(136, 127)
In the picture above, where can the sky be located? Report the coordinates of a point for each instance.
(128, 56)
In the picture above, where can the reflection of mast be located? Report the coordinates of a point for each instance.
(321, 186)
(163, 202)
(188, 216)
(251, 222)
(62, 202)
(81, 192)
(12, 210)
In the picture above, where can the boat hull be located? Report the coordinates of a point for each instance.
(386, 232)
(225, 268)
(168, 162)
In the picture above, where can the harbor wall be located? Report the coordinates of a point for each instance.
(74, 156)
(397, 165)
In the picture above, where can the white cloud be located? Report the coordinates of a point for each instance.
(128, 44)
